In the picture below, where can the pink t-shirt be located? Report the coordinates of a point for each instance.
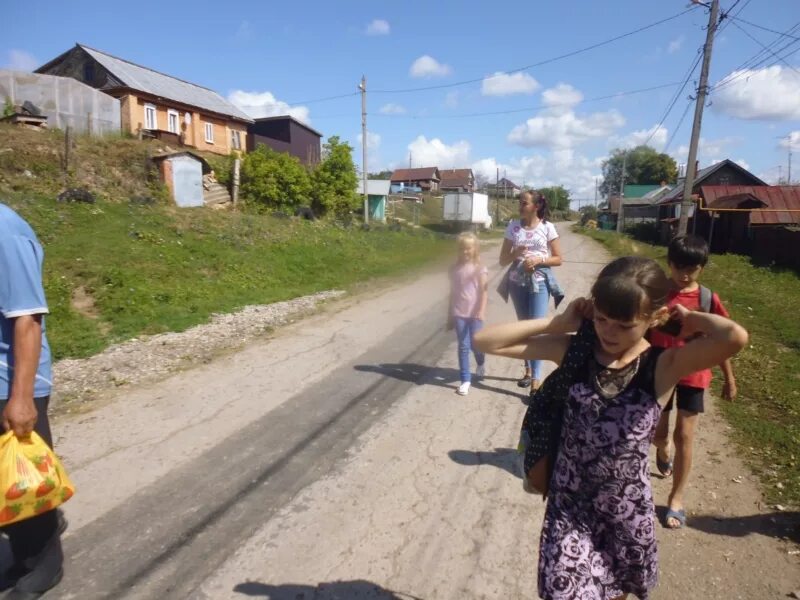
(465, 287)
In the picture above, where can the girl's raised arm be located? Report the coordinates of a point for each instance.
(720, 339)
(536, 339)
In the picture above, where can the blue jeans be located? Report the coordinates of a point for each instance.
(530, 305)
(465, 330)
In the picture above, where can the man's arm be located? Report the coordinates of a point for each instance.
(729, 390)
(20, 412)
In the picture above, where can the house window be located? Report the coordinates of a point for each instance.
(150, 117)
(210, 133)
(236, 139)
(724, 180)
(173, 120)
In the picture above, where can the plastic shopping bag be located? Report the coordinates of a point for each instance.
(32, 479)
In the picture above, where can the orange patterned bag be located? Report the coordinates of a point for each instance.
(32, 479)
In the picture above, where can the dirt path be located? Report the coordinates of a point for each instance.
(340, 464)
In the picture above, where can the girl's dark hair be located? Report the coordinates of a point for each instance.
(630, 287)
(542, 211)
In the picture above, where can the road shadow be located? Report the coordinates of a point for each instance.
(502, 458)
(781, 525)
(334, 590)
(440, 376)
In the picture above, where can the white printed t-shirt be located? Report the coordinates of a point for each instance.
(536, 240)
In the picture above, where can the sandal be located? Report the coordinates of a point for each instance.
(664, 466)
(678, 515)
(525, 381)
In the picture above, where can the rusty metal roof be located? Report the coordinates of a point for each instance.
(781, 202)
(416, 174)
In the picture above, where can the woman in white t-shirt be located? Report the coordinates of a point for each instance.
(531, 243)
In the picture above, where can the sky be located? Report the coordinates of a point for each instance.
(447, 83)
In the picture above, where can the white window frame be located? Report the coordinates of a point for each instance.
(170, 114)
(236, 139)
(209, 127)
(147, 108)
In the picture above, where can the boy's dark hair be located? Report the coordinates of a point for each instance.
(688, 251)
(630, 287)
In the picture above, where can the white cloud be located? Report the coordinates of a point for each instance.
(19, 60)
(655, 137)
(742, 163)
(676, 44)
(576, 173)
(708, 151)
(392, 109)
(378, 27)
(373, 151)
(435, 153)
(503, 84)
(565, 129)
(265, 104)
(792, 140)
(426, 67)
(559, 127)
(451, 99)
(770, 93)
(563, 96)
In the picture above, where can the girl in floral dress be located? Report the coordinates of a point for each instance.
(598, 536)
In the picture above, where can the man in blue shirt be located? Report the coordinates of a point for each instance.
(25, 394)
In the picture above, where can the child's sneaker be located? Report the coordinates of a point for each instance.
(463, 389)
(480, 372)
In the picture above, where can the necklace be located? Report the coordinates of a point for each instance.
(610, 382)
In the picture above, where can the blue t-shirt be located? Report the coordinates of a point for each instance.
(21, 293)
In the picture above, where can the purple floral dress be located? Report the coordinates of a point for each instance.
(598, 538)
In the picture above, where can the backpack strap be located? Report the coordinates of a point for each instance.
(706, 296)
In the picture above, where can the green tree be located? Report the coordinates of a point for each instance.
(335, 179)
(557, 197)
(274, 179)
(381, 175)
(643, 166)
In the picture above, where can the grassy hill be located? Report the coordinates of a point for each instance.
(118, 268)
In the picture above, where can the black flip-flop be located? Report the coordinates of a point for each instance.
(678, 515)
(524, 382)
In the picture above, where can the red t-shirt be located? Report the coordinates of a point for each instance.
(691, 300)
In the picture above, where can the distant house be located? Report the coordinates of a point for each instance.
(640, 201)
(505, 187)
(426, 178)
(457, 180)
(286, 134)
(723, 173)
(157, 105)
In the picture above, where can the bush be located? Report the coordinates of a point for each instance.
(335, 180)
(274, 180)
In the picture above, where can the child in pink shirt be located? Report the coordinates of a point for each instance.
(467, 307)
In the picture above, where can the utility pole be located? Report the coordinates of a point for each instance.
(702, 92)
(497, 197)
(363, 88)
(621, 213)
(789, 171)
(595, 191)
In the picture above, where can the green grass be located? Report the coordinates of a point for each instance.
(150, 269)
(766, 417)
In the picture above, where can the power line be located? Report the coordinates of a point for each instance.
(326, 99)
(537, 107)
(757, 41)
(540, 63)
(678, 126)
(671, 105)
(754, 62)
(764, 28)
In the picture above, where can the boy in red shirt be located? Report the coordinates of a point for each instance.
(687, 256)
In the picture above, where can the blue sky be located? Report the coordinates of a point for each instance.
(272, 57)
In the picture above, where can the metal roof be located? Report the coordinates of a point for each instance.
(702, 174)
(375, 187)
(152, 82)
(777, 200)
(415, 174)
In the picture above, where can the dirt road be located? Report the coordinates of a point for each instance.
(334, 461)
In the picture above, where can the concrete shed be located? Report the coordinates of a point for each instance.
(377, 194)
(182, 172)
